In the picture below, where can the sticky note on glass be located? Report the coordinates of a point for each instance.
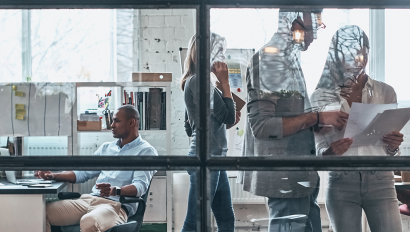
(19, 106)
(19, 94)
(20, 112)
(19, 117)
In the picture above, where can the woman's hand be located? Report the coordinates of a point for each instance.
(393, 140)
(221, 72)
(339, 147)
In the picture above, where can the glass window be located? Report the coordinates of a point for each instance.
(10, 45)
(312, 85)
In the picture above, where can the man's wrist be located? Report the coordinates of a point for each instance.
(312, 119)
(117, 191)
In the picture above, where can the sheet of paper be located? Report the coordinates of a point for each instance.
(383, 123)
(361, 115)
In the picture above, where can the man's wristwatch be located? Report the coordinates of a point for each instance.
(394, 152)
(117, 191)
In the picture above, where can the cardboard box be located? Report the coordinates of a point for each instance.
(89, 125)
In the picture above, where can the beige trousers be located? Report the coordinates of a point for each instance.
(92, 213)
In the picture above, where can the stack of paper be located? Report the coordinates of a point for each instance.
(89, 117)
(368, 123)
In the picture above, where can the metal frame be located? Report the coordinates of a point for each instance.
(203, 162)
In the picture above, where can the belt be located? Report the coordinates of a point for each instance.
(125, 209)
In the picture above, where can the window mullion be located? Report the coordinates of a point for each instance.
(26, 45)
(377, 44)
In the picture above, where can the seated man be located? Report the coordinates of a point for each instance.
(101, 210)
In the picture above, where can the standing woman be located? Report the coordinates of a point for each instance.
(343, 82)
(222, 114)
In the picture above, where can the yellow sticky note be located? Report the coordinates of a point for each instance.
(14, 88)
(20, 112)
(19, 117)
(19, 106)
(19, 94)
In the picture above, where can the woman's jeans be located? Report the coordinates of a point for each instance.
(350, 192)
(221, 202)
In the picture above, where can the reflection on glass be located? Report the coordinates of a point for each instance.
(222, 117)
(11, 46)
(343, 83)
(72, 45)
(278, 124)
(341, 199)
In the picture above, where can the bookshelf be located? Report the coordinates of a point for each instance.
(116, 101)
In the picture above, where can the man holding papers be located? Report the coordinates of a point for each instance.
(280, 122)
(344, 83)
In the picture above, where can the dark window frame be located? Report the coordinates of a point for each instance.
(203, 162)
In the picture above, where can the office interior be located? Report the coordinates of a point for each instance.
(63, 65)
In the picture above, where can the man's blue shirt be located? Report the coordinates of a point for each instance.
(140, 179)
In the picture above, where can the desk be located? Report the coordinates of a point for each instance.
(400, 185)
(24, 208)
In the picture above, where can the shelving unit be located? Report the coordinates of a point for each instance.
(121, 86)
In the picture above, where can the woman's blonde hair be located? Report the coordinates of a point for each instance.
(190, 61)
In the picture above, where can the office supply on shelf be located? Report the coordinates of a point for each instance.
(140, 107)
(89, 125)
(154, 108)
(89, 117)
(151, 77)
(163, 111)
(108, 120)
(132, 98)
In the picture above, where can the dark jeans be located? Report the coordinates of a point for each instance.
(221, 202)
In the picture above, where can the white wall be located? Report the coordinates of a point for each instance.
(158, 35)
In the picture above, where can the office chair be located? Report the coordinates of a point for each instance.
(133, 223)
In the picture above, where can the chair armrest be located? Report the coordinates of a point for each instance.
(131, 200)
(68, 195)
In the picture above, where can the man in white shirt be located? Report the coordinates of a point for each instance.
(100, 210)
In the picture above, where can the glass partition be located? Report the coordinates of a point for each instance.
(302, 86)
(315, 83)
(75, 67)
